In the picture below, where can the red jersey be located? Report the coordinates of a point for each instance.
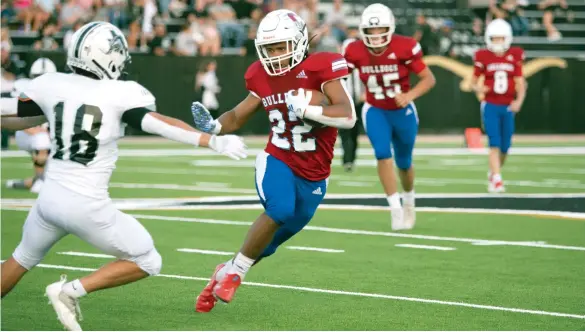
(386, 74)
(499, 72)
(308, 151)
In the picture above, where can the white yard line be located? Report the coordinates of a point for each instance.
(85, 254)
(206, 252)
(420, 246)
(168, 186)
(315, 249)
(357, 294)
(128, 152)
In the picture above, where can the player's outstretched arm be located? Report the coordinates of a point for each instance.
(229, 121)
(174, 129)
(21, 113)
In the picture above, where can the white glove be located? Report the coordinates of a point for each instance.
(298, 103)
(229, 145)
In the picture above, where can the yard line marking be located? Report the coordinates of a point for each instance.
(315, 249)
(420, 246)
(85, 254)
(168, 186)
(352, 231)
(518, 151)
(206, 252)
(360, 294)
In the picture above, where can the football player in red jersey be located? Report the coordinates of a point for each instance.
(384, 61)
(501, 94)
(292, 172)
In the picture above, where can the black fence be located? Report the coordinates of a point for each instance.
(555, 102)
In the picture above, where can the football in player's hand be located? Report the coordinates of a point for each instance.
(317, 99)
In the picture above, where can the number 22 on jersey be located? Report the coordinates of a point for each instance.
(76, 128)
(387, 89)
(300, 143)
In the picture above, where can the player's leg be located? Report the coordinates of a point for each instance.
(309, 194)
(38, 236)
(492, 127)
(275, 184)
(508, 125)
(404, 135)
(349, 141)
(37, 142)
(379, 130)
(113, 232)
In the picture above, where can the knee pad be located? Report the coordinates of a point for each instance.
(403, 163)
(151, 262)
(26, 258)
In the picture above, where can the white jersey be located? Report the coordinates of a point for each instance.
(85, 121)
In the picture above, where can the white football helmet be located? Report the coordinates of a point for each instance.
(377, 16)
(282, 26)
(498, 28)
(99, 48)
(42, 66)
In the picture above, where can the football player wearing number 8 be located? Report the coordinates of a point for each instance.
(501, 94)
(384, 61)
(292, 172)
(87, 112)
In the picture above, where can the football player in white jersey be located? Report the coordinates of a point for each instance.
(36, 140)
(87, 111)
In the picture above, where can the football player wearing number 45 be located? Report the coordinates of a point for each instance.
(501, 94)
(384, 61)
(87, 112)
(292, 173)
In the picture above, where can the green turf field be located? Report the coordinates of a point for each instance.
(466, 265)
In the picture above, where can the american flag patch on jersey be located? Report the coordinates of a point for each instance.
(338, 65)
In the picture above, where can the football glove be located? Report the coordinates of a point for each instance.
(203, 119)
(229, 145)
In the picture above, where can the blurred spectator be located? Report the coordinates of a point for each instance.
(445, 39)
(205, 27)
(327, 41)
(466, 42)
(511, 11)
(135, 36)
(71, 12)
(6, 42)
(160, 44)
(232, 33)
(178, 8)
(550, 7)
(46, 41)
(187, 41)
(69, 33)
(207, 84)
(144, 12)
(7, 12)
(425, 35)
(200, 9)
(335, 19)
(247, 10)
(115, 11)
(249, 47)
(44, 9)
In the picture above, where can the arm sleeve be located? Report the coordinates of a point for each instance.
(478, 66)
(152, 125)
(518, 65)
(414, 60)
(28, 107)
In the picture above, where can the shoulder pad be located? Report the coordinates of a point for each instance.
(321, 60)
(253, 70)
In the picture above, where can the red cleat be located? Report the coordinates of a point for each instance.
(226, 288)
(206, 301)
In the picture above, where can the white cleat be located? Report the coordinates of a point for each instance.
(397, 219)
(496, 187)
(66, 307)
(409, 216)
